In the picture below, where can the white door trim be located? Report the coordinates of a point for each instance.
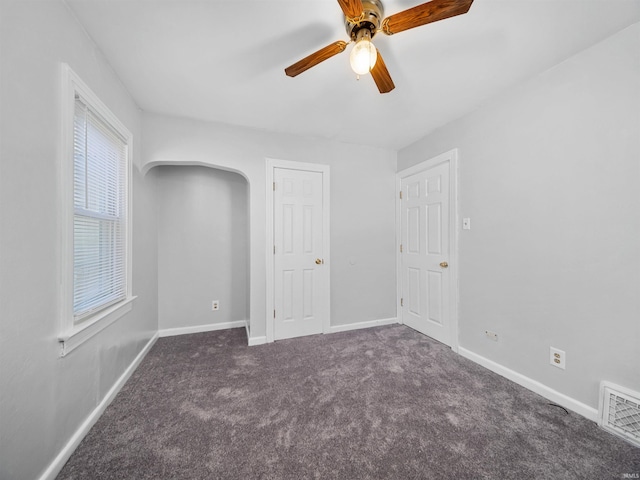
(450, 157)
(271, 164)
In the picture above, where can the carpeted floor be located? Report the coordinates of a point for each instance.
(381, 403)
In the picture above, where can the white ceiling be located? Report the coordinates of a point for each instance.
(224, 60)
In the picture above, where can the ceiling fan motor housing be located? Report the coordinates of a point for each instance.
(370, 19)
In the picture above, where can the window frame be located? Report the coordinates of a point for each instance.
(72, 334)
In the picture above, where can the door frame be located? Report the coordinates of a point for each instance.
(450, 157)
(271, 164)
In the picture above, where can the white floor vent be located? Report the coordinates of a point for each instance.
(620, 412)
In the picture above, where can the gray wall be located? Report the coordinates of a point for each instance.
(45, 398)
(203, 246)
(362, 206)
(549, 175)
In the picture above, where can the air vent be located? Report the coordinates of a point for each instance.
(620, 412)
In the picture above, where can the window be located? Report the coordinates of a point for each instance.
(95, 190)
(99, 217)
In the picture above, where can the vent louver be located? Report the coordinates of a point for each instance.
(620, 412)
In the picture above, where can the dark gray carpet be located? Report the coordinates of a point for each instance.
(379, 403)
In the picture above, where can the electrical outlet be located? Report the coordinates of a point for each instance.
(557, 358)
(215, 305)
(492, 335)
(466, 224)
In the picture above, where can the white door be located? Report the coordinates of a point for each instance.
(300, 292)
(425, 232)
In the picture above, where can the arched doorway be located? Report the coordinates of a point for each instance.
(203, 248)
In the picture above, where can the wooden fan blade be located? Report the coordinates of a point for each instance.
(381, 76)
(315, 58)
(352, 9)
(426, 13)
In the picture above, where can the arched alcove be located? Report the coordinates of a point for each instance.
(203, 247)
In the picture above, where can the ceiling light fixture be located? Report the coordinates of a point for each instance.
(363, 19)
(364, 54)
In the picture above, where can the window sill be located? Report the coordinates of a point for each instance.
(75, 337)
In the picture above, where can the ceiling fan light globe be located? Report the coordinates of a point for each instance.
(363, 57)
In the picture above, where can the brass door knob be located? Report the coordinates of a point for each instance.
(444, 264)
(318, 261)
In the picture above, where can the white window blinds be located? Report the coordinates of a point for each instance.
(99, 221)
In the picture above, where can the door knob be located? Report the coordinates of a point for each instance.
(444, 264)
(318, 261)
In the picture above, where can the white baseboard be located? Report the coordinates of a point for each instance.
(257, 341)
(359, 325)
(170, 332)
(54, 467)
(533, 385)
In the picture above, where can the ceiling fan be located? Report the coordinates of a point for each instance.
(363, 19)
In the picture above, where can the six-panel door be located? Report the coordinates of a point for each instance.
(425, 252)
(299, 296)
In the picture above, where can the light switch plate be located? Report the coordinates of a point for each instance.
(466, 224)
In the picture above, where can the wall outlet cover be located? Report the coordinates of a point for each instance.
(557, 357)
